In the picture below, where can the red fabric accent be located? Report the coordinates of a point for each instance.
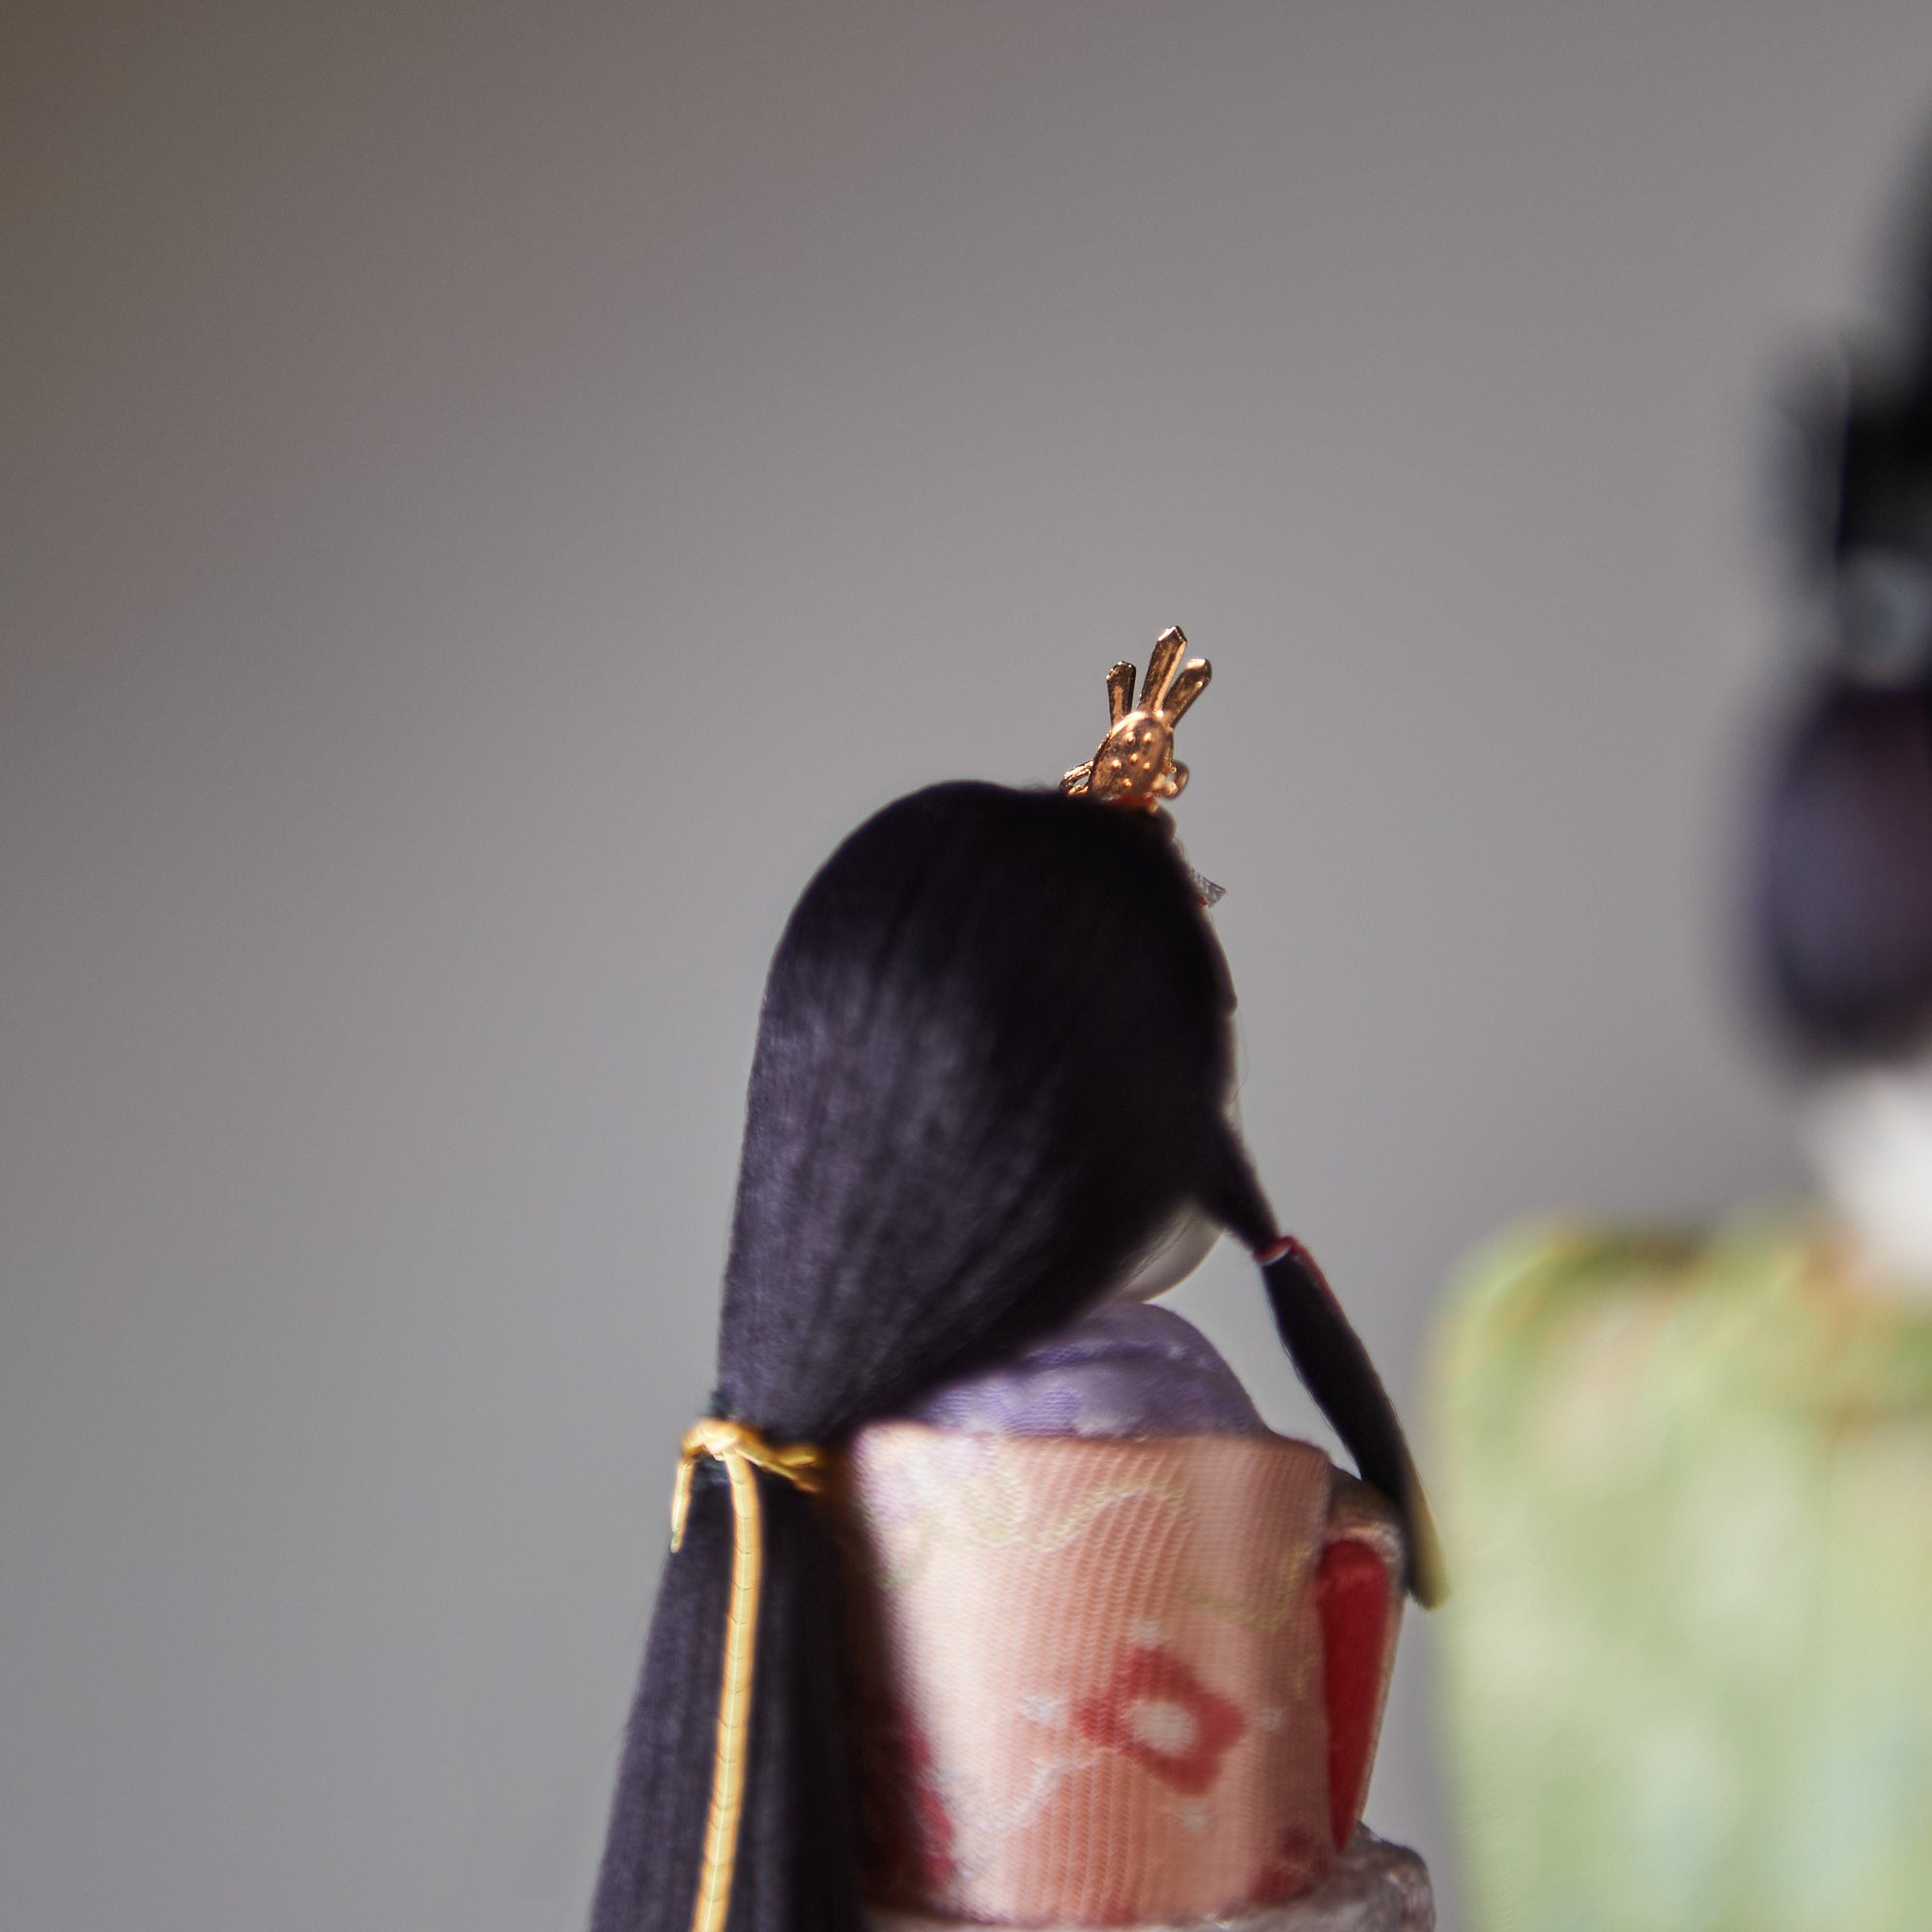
(1287, 1246)
(1159, 1683)
(1299, 1863)
(1351, 1594)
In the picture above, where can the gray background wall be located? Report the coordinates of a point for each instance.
(492, 493)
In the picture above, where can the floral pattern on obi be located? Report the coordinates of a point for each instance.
(1090, 1687)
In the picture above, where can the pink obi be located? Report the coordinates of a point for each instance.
(1108, 1682)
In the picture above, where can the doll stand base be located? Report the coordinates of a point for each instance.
(1374, 1887)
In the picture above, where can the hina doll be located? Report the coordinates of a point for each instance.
(990, 1597)
(1687, 1476)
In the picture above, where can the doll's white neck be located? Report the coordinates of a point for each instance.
(1869, 1135)
(1179, 1247)
(1177, 1250)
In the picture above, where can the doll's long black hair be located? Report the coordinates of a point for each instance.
(994, 1060)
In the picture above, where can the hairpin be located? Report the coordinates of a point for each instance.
(1135, 763)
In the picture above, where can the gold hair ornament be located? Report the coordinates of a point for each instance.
(742, 1450)
(1135, 763)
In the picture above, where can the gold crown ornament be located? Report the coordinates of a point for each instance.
(1135, 763)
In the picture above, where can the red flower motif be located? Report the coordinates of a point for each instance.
(906, 1837)
(936, 1865)
(1159, 1713)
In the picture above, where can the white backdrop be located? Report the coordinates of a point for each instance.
(493, 493)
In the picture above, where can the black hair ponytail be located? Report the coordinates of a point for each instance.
(1330, 1359)
(993, 1059)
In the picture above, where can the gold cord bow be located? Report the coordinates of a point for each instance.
(741, 1449)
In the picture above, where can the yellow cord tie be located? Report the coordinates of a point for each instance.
(742, 1450)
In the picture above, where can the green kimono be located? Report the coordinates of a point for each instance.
(1686, 1494)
